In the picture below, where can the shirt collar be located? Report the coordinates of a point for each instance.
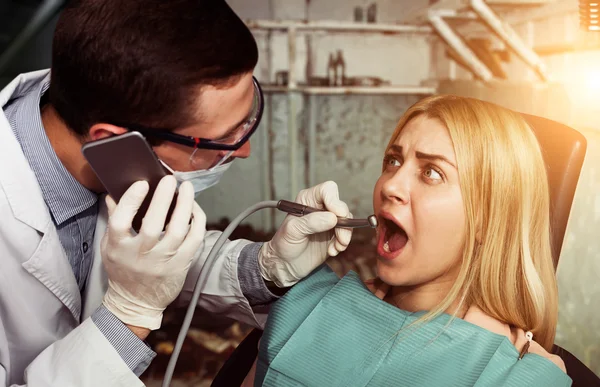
(63, 194)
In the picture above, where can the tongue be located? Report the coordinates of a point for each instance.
(397, 241)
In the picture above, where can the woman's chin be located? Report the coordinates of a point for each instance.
(391, 275)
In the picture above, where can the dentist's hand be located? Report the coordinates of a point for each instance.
(303, 243)
(146, 271)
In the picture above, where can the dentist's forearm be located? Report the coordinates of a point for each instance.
(140, 332)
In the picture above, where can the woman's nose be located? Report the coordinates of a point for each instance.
(397, 187)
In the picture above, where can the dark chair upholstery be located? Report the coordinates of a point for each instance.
(582, 376)
(238, 365)
(563, 150)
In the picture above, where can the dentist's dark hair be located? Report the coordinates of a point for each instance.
(144, 62)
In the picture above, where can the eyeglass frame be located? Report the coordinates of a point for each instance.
(199, 142)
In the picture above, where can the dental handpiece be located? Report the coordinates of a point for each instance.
(298, 209)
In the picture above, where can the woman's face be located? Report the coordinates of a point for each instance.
(419, 207)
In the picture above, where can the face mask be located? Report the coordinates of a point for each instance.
(202, 179)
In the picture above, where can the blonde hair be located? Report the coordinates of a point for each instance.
(507, 269)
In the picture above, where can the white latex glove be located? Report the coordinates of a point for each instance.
(303, 243)
(146, 271)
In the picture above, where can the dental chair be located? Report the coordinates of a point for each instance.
(563, 151)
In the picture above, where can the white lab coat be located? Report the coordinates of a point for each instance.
(46, 335)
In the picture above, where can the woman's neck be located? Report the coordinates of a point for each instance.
(424, 297)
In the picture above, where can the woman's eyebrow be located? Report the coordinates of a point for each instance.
(396, 149)
(422, 155)
(433, 157)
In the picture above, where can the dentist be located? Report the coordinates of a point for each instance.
(79, 292)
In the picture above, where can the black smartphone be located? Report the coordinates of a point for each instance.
(119, 161)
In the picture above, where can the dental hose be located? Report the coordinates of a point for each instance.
(291, 208)
(204, 275)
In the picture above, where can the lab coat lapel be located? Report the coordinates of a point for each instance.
(49, 263)
(97, 281)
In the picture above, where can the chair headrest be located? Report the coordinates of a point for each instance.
(563, 150)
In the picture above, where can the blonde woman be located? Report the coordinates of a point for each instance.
(465, 294)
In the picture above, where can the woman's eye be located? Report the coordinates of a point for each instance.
(392, 162)
(432, 174)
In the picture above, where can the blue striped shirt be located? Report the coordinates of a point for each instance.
(72, 206)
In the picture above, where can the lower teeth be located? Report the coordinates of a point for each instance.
(386, 247)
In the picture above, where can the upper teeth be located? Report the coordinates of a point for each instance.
(386, 247)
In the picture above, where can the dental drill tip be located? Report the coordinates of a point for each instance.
(372, 221)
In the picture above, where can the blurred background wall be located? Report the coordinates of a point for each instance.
(341, 135)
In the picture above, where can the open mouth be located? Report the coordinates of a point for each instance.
(394, 237)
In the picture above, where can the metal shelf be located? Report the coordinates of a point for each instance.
(421, 16)
(332, 25)
(353, 90)
(292, 28)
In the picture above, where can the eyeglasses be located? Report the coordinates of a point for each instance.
(232, 141)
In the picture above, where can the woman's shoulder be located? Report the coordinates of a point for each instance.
(539, 350)
(516, 336)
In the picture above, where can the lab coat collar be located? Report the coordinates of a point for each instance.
(18, 180)
(21, 85)
(25, 198)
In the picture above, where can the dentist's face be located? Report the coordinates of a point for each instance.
(419, 207)
(221, 111)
